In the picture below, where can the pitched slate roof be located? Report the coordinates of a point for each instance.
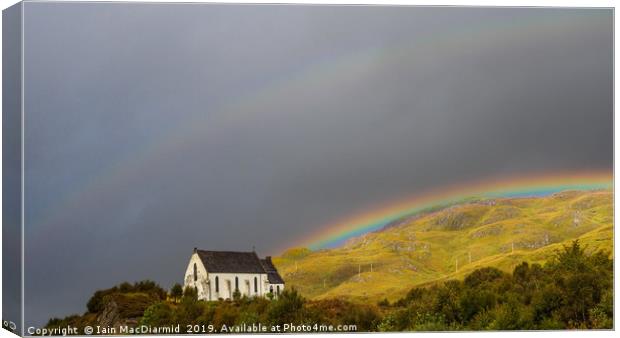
(230, 261)
(272, 273)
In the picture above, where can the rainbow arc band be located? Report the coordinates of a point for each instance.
(337, 232)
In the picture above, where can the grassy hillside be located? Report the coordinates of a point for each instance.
(450, 243)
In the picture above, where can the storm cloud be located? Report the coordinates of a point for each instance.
(152, 129)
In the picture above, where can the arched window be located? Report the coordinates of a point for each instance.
(278, 290)
(255, 284)
(271, 289)
(236, 283)
(195, 272)
(217, 284)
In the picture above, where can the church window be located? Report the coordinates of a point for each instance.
(255, 284)
(195, 272)
(278, 290)
(217, 284)
(236, 283)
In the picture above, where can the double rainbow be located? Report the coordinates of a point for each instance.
(337, 232)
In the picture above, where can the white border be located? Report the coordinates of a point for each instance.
(503, 3)
(482, 3)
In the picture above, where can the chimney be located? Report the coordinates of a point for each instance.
(195, 250)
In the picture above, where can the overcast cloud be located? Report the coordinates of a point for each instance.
(153, 128)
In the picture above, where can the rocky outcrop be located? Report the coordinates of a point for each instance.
(110, 316)
(124, 309)
(487, 231)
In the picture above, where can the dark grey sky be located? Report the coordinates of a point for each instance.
(154, 128)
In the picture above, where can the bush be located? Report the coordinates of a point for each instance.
(429, 322)
(473, 302)
(189, 309)
(365, 317)
(158, 314)
(482, 320)
(176, 292)
(287, 308)
(510, 316)
(190, 293)
(225, 314)
(388, 323)
(480, 277)
(236, 295)
(95, 303)
(573, 290)
(384, 303)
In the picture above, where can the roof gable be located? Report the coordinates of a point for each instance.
(272, 273)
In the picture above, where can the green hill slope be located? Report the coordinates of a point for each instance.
(451, 242)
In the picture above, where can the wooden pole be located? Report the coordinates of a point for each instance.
(470, 257)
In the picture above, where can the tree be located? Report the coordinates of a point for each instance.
(189, 309)
(150, 287)
(580, 280)
(125, 287)
(483, 276)
(475, 301)
(176, 292)
(190, 294)
(95, 303)
(236, 295)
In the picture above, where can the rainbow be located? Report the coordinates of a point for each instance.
(338, 231)
(255, 105)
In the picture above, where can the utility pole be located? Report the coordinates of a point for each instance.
(469, 257)
(513, 247)
(370, 267)
(323, 283)
(359, 270)
(457, 265)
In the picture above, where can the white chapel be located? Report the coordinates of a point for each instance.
(217, 274)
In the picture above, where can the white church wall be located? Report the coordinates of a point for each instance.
(275, 287)
(227, 284)
(201, 283)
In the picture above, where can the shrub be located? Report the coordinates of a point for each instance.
(176, 292)
(95, 303)
(190, 293)
(480, 277)
(286, 308)
(225, 314)
(384, 303)
(158, 314)
(429, 322)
